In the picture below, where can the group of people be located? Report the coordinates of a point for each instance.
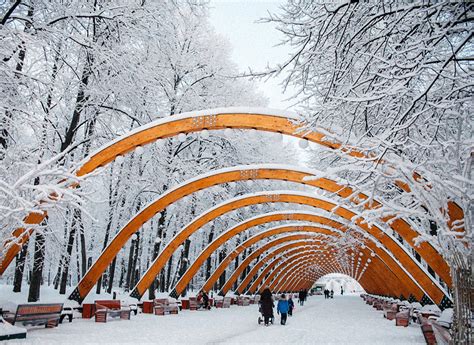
(302, 295)
(284, 306)
(328, 293)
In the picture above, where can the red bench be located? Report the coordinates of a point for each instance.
(162, 306)
(390, 311)
(402, 318)
(112, 308)
(223, 303)
(427, 330)
(193, 303)
(36, 314)
(243, 301)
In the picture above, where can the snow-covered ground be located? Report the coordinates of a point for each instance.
(342, 320)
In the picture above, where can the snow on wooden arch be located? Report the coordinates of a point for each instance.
(239, 173)
(247, 244)
(276, 121)
(404, 266)
(291, 228)
(268, 277)
(257, 252)
(433, 258)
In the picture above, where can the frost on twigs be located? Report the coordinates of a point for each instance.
(34, 188)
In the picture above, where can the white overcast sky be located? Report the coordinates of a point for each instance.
(253, 44)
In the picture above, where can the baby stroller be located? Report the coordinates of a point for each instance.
(261, 318)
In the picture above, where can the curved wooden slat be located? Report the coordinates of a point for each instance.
(433, 258)
(421, 277)
(188, 123)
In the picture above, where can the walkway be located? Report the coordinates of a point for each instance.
(343, 320)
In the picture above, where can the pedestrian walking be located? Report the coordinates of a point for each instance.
(291, 306)
(266, 305)
(283, 308)
(301, 297)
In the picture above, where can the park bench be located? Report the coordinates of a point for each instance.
(193, 303)
(390, 311)
(223, 303)
(442, 333)
(162, 306)
(36, 314)
(402, 318)
(243, 301)
(378, 304)
(427, 330)
(112, 308)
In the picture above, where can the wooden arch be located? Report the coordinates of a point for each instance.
(254, 239)
(266, 277)
(368, 285)
(276, 172)
(283, 274)
(241, 247)
(246, 200)
(189, 123)
(380, 267)
(423, 280)
(255, 269)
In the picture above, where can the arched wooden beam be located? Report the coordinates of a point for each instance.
(301, 198)
(265, 278)
(427, 252)
(193, 185)
(241, 247)
(416, 275)
(382, 266)
(382, 271)
(391, 283)
(255, 255)
(257, 252)
(189, 123)
(253, 272)
(279, 259)
(283, 278)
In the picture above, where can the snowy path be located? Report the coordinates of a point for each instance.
(343, 320)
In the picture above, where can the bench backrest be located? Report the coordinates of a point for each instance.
(37, 311)
(192, 301)
(110, 304)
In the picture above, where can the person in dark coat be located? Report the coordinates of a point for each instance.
(205, 300)
(331, 293)
(266, 305)
(291, 305)
(301, 297)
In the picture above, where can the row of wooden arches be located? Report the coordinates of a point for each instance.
(189, 123)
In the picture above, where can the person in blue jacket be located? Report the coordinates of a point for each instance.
(282, 308)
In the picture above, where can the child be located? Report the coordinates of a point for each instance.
(282, 308)
(291, 305)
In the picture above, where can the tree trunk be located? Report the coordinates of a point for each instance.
(20, 267)
(184, 262)
(208, 261)
(156, 251)
(6, 120)
(222, 255)
(76, 222)
(37, 273)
